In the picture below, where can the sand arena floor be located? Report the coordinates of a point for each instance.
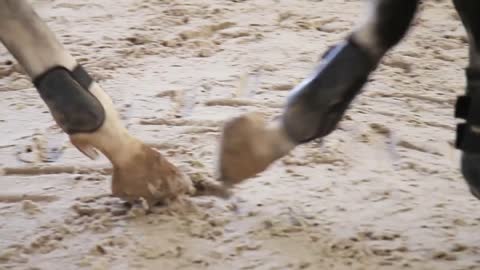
(382, 192)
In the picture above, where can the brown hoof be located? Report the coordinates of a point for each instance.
(150, 176)
(248, 146)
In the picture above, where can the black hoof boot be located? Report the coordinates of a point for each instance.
(471, 172)
(316, 105)
(468, 133)
(67, 95)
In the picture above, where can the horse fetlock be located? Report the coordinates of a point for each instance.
(317, 104)
(84, 146)
(73, 106)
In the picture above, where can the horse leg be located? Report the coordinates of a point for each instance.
(83, 110)
(314, 108)
(468, 106)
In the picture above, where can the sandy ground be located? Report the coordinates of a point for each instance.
(382, 192)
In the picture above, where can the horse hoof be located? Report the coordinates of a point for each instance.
(248, 147)
(148, 175)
